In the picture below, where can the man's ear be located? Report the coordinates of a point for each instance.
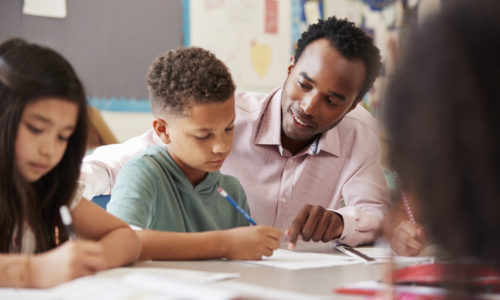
(290, 66)
(161, 128)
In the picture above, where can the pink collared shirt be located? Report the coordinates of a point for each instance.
(343, 163)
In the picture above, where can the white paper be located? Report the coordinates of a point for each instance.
(133, 283)
(45, 8)
(293, 260)
(382, 254)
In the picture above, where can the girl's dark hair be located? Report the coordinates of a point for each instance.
(442, 116)
(29, 72)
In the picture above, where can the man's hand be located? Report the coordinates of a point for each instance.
(314, 223)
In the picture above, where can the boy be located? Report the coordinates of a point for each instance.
(171, 190)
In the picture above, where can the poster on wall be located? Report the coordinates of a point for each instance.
(45, 8)
(251, 37)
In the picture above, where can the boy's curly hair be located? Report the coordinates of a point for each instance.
(183, 77)
(350, 41)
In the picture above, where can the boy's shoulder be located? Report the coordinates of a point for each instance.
(150, 158)
(232, 186)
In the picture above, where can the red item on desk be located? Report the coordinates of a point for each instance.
(428, 281)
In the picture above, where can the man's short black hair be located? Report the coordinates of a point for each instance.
(350, 41)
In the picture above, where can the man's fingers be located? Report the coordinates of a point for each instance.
(310, 224)
(297, 225)
(321, 227)
(332, 229)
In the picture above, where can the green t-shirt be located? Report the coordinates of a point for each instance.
(152, 192)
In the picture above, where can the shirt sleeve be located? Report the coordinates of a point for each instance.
(366, 199)
(78, 195)
(133, 195)
(100, 168)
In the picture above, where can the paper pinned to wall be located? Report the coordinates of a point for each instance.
(45, 8)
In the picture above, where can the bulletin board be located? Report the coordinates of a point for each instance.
(110, 43)
(253, 37)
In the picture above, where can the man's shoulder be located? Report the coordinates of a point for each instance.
(360, 118)
(250, 101)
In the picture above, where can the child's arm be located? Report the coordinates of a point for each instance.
(249, 242)
(407, 238)
(103, 242)
(120, 245)
(71, 260)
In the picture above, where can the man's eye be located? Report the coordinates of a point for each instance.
(331, 102)
(303, 85)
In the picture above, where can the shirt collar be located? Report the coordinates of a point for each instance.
(269, 129)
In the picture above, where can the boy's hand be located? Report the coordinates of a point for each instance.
(316, 223)
(408, 239)
(71, 260)
(251, 242)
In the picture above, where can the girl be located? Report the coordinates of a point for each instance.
(43, 132)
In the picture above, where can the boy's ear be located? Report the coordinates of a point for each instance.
(290, 66)
(161, 128)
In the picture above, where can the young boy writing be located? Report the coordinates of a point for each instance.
(171, 191)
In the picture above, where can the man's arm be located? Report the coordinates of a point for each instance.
(366, 203)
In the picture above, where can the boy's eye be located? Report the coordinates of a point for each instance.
(230, 128)
(201, 138)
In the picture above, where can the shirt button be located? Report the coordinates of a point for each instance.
(283, 199)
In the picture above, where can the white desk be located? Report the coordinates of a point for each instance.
(254, 281)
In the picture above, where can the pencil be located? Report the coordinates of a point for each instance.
(233, 203)
(67, 221)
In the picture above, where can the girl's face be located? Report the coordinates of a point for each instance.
(42, 135)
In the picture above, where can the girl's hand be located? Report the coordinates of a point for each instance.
(251, 242)
(408, 239)
(71, 260)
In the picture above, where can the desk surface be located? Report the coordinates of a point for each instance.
(313, 282)
(308, 283)
(254, 281)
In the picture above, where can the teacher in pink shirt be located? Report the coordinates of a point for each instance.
(301, 149)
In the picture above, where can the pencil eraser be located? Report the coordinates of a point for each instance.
(65, 215)
(222, 192)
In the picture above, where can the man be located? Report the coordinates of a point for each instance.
(302, 148)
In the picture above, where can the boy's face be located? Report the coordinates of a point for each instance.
(200, 142)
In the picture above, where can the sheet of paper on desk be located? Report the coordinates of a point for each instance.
(134, 283)
(178, 274)
(383, 254)
(293, 260)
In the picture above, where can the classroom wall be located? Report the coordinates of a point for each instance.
(111, 44)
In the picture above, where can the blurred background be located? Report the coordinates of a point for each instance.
(111, 43)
